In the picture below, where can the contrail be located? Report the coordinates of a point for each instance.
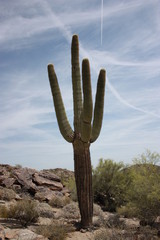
(101, 22)
(122, 100)
(68, 35)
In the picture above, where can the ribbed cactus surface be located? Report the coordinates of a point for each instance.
(87, 124)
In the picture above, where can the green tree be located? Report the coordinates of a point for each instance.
(110, 183)
(85, 130)
(144, 192)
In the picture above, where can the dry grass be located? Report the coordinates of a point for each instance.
(24, 211)
(71, 211)
(7, 194)
(54, 231)
(3, 211)
(59, 202)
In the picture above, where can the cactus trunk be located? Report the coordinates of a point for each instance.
(83, 177)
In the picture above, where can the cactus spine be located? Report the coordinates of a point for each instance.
(85, 132)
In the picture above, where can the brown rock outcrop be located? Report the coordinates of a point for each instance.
(24, 177)
(43, 185)
(43, 181)
(49, 175)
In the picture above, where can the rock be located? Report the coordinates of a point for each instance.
(49, 175)
(24, 177)
(2, 202)
(63, 173)
(17, 188)
(42, 181)
(8, 182)
(43, 185)
(2, 233)
(2, 179)
(22, 234)
(66, 191)
(5, 170)
(44, 221)
(83, 230)
(44, 194)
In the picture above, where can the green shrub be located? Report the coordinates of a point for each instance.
(24, 211)
(128, 211)
(54, 231)
(110, 184)
(144, 193)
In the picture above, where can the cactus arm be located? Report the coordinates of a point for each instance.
(76, 83)
(87, 102)
(63, 123)
(99, 105)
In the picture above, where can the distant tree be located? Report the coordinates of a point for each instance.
(110, 183)
(148, 157)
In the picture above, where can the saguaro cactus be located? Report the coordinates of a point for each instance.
(85, 131)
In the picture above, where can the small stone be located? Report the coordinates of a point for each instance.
(83, 230)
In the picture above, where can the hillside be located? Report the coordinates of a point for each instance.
(36, 205)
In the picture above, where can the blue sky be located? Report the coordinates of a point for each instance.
(34, 33)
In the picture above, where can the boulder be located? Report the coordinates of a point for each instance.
(17, 188)
(2, 233)
(44, 194)
(5, 170)
(22, 234)
(44, 184)
(49, 175)
(24, 177)
(42, 181)
(8, 182)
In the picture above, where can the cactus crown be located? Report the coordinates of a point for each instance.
(84, 128)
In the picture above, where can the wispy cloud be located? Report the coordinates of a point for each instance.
(130, 53)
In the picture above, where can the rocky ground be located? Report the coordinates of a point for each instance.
(55, 209)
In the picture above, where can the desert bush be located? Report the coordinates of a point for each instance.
(44, 210)
(71, 211)
(110, 184)
(144, 193)
(110, 235)
(54, 231)
(59, 202)
(128, 211)
(71, 185)
(24, 211)
(7, 194)
(115, 221)
(3, 211)
(114, 234)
